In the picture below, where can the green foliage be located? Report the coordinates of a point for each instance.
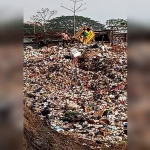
(59, 24)
(62, 23)
(116, 22)
(120, 23)
(28, 29)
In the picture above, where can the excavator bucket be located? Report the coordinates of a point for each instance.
(90, 37)
(78, 34)
(88, 40)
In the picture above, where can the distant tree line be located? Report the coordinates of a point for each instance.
(63, 23)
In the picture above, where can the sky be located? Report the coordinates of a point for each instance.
(98, 10)
(138, 12)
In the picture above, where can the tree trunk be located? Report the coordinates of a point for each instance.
(74, 23)
(34, 28)
(75, 17)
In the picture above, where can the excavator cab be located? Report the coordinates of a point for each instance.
(80, 36)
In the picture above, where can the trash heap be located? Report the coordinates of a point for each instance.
(78, 90)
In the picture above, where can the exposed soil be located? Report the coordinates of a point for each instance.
(39, 136)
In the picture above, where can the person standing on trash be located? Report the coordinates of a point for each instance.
(85, 35)
(65, 38)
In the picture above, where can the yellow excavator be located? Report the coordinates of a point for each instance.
(90, 35)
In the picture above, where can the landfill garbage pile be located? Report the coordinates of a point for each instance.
(39, 136)
(79, 91)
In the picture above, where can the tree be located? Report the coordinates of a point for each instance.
(62, 23)
(30, 28)
(119, 24)
(74, 10)
(42, 17)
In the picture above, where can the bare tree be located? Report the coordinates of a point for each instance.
(42, 17)
(75, 9)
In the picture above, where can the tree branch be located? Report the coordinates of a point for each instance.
(79, 0)
(52, 13)
(80, 6)
(45, 14)
(66, 8)
(40, 13)
(76, 1)
(71, 7)
(81, 10)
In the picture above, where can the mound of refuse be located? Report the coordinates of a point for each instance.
(83, 97)
(39, 136)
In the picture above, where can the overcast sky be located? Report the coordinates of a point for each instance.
(98, 10)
